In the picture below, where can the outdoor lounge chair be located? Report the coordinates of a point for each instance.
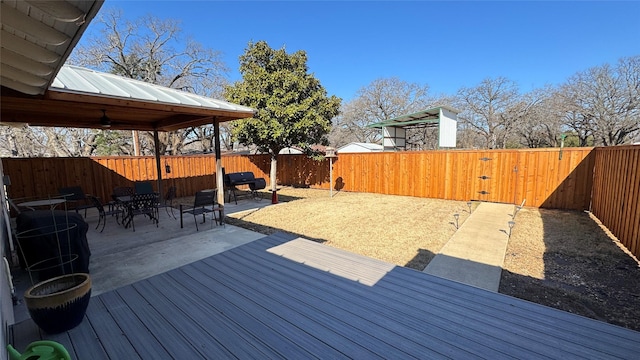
(204, 202)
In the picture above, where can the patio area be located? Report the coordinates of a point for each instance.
(120, 256)
(286, 297)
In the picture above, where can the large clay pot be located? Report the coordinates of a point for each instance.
(59, 304)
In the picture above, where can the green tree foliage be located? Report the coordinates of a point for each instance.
(293, 108)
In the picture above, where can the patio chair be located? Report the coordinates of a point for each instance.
(143, 187)
(142, 204)
(75, 195)
(118, 193)
(204, 202)
(167, 202)
(103, 213)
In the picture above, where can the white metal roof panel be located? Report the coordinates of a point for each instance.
(184, 99)
(134, 92)
(71, 80)
(41, 34)
(104, 87)
(162, 96)
(77, 79)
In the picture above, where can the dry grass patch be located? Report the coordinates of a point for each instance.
(402, 230)
(564, 259)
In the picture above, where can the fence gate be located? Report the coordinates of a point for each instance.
(484, 178)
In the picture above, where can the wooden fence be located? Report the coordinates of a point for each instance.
(548, 178)
(545, 178)
(616, 193)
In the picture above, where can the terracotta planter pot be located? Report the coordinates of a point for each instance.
(59, 304)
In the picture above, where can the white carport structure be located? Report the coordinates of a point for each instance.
(445, 118)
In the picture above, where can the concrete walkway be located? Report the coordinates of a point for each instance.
(475, 253)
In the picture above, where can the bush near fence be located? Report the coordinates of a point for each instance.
(605, 181)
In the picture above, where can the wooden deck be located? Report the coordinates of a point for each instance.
(280, 297)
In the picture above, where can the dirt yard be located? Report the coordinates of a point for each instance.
(562, 259)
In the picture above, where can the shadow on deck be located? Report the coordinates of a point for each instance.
(281, 297)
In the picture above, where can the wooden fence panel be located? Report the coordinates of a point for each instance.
(616, 193)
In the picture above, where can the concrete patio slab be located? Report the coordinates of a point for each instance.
(114, 270)
(121, 256)
(475, 253)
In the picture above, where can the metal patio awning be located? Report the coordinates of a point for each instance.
(80, 97)
(428, 117)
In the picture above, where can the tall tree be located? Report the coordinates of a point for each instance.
(292, 106)
(153, 50)
(382, 99)
(604, 102)
(543, 124)
(491, 109)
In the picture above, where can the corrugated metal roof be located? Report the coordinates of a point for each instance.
(427, 116)
(76, 79)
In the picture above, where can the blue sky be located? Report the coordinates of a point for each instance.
(447, 44)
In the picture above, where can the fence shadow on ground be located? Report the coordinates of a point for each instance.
(585, 272)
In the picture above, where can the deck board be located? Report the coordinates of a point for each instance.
(85, 342)
(175, 342)
(282, 297)
(109, 332)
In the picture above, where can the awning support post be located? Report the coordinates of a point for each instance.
(219, 179)
(156, 143)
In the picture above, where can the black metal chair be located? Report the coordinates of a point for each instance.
(103, 213)
(167, 202)
(118, 193)
(143, 187)
(204, 202)
(75, 195)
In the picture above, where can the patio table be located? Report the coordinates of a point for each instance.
(127, 202)
(52, 203)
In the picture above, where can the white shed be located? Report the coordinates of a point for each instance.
(445, 118)
(358, 147)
